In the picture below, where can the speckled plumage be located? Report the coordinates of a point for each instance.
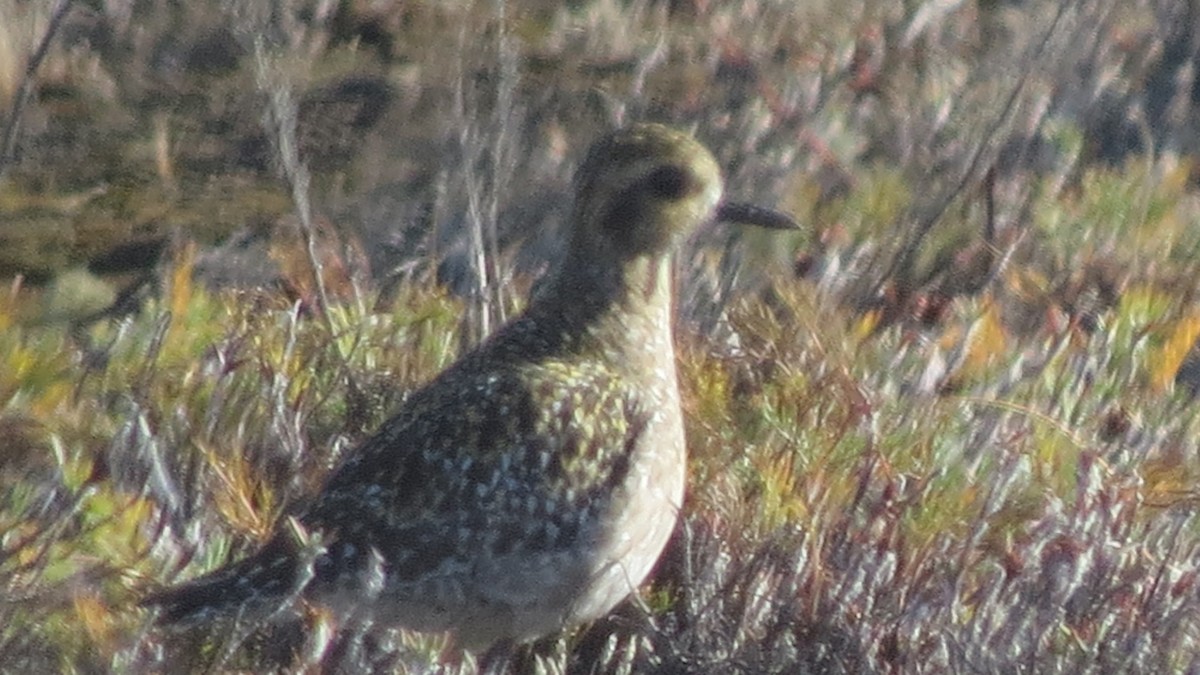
(534, 483)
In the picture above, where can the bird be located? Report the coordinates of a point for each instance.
(533, 484)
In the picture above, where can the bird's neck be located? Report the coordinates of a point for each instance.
(622, 313)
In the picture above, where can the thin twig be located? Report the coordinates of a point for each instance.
(23, 92)
(280, 123)
(483, 192)
(903, 259)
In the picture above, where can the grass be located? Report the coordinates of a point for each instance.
(948, 439)
(839, 516)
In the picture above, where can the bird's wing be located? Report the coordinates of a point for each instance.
(507, 458)
(496, 461)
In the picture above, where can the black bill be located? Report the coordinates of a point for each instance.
(748, 214)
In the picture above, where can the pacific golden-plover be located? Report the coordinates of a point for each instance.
(532, 485)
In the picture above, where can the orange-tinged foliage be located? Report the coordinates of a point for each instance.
(242, 498)
(986, 340)
(50, 399)
(95, 616)
(8, 308)
(1181, 337)
(179, 291)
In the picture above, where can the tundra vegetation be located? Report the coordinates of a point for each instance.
(949, 427)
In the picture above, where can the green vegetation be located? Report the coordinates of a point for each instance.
(949, 429)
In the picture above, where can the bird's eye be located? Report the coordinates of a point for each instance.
(669, 182)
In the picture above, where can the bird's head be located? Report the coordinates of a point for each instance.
(644, 188)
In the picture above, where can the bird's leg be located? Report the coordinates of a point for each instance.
(495, 660)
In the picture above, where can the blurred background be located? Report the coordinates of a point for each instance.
(436, 140)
